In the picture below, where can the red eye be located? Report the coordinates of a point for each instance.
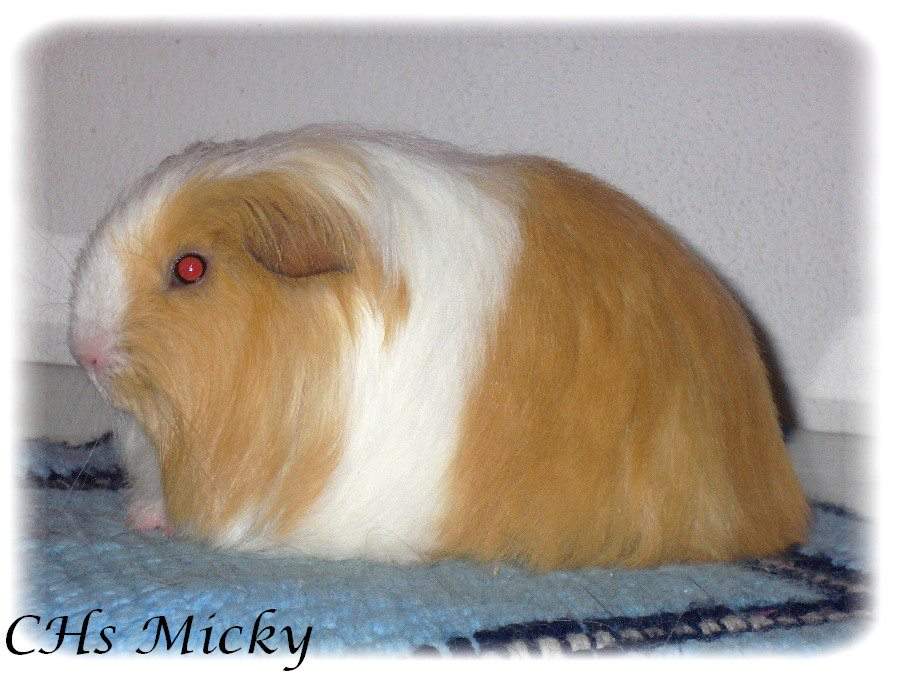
(190, 268)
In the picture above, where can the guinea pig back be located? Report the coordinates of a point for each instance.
(355, 344)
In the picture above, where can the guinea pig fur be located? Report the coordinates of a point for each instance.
(388, 348)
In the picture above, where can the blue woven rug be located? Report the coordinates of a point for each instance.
(77, 556)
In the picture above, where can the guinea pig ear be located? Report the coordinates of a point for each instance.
(295, 231)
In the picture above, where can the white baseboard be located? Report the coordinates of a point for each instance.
(59, 402)
(835, 416)
(835, 468)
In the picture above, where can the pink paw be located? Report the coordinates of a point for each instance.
(144, 518)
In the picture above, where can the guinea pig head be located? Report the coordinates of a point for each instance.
(222, 321)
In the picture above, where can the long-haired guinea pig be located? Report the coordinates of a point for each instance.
(355, 344)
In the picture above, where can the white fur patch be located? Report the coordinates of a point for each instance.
(455, 246)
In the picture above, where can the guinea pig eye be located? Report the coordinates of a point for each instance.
(189, 268)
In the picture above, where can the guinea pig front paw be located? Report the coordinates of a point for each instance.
(147, 517)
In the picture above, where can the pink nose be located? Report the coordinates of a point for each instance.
(91, 355)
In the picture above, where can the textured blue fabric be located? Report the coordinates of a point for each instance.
(78, 555)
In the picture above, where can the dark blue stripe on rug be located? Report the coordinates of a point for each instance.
(94, 465)
(846, 591)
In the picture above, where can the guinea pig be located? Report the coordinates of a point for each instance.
(356, 344)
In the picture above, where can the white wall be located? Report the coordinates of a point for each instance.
(747, 141)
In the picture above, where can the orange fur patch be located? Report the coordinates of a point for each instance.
(624, 415)
(248, 433)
